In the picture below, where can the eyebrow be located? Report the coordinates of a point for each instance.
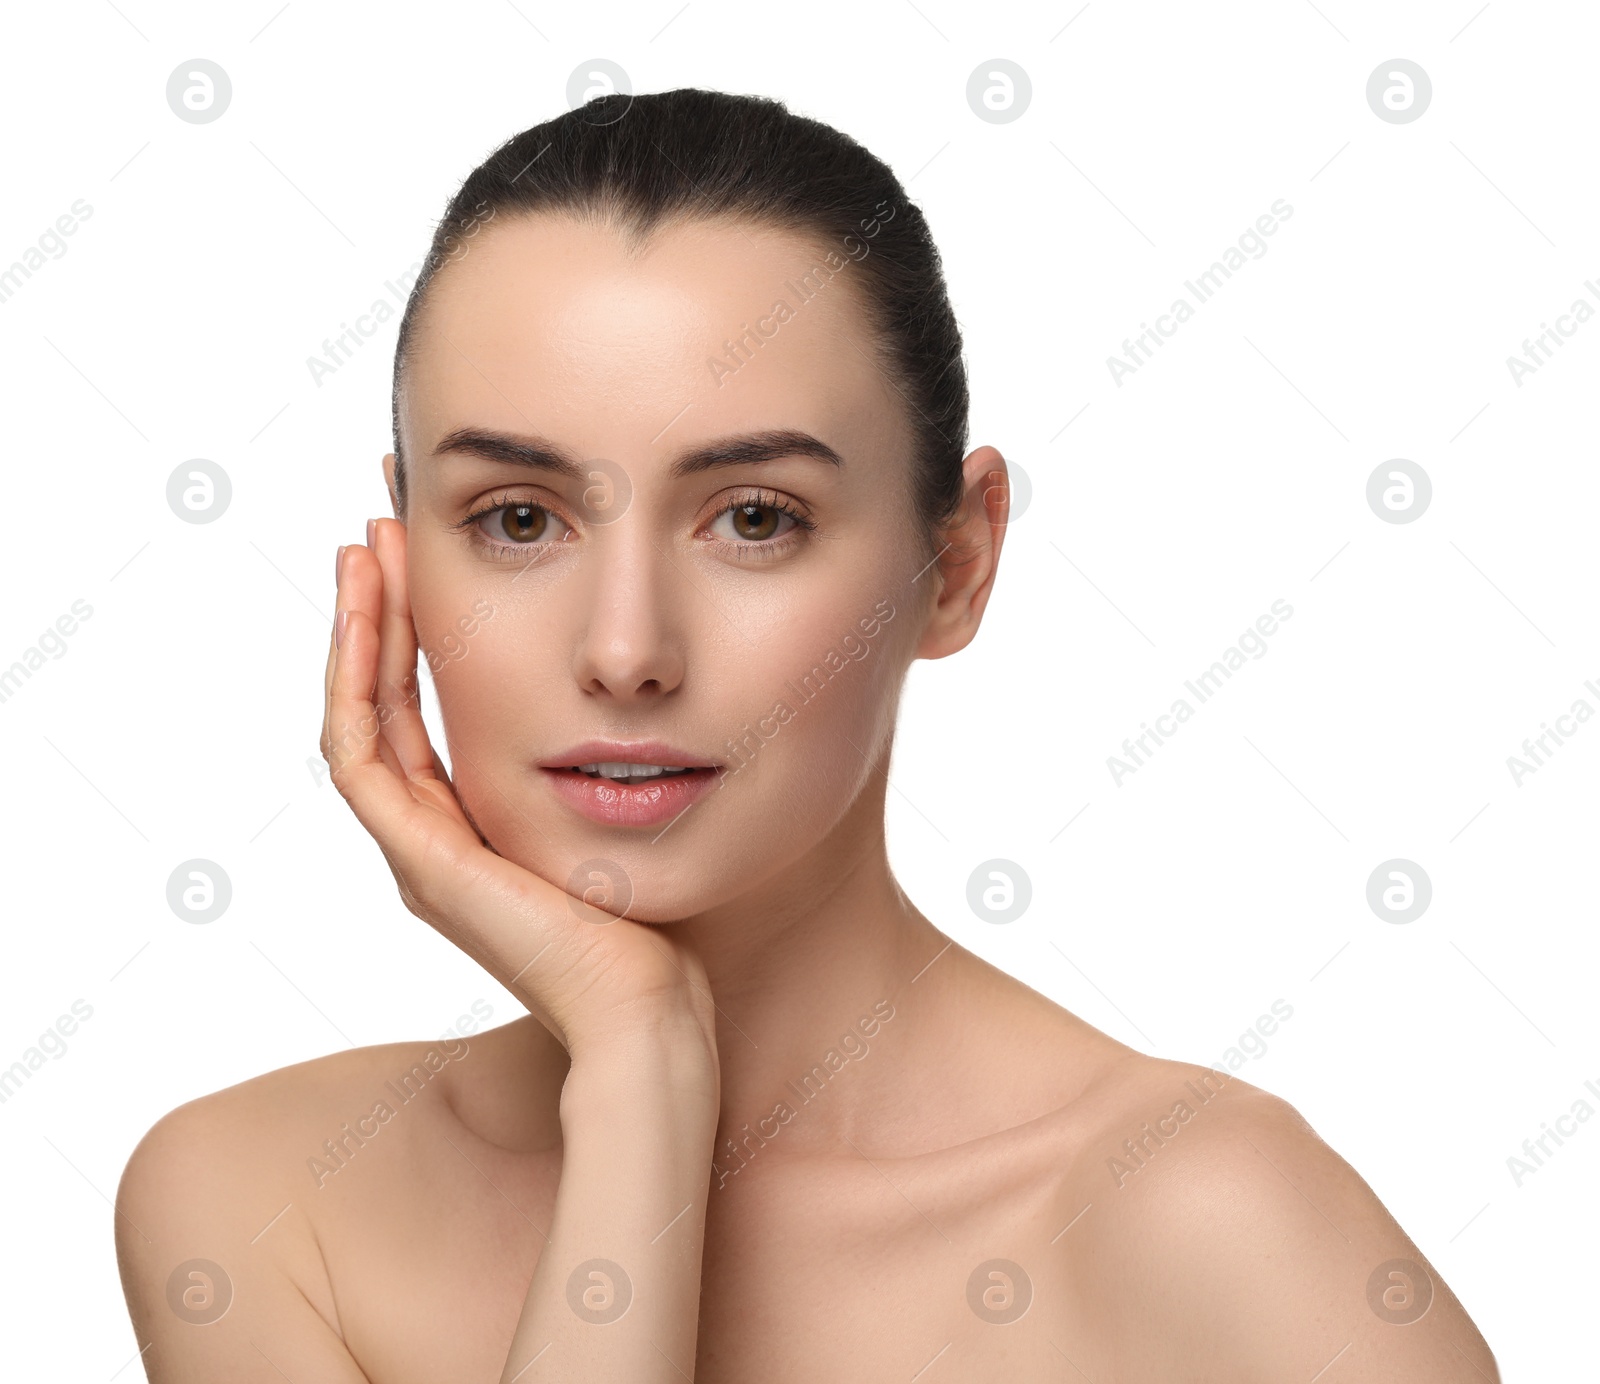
(536, 452)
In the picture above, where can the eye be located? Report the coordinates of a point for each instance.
(758, 521)
(512, 528)
(754, 523)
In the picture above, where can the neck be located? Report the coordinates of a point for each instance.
(815, 974)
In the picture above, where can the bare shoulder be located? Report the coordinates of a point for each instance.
(242, 1135)
(1223, 1238)
(215, 1219)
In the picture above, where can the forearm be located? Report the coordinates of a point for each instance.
(616, 1294)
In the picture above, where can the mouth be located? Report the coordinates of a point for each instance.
(634, 775)
(630, 785)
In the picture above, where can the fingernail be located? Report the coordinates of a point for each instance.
(371, 524)
(338, 565)
(338, 628)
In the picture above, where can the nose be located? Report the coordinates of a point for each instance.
(631, 649)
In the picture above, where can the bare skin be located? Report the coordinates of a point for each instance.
(954, 1195)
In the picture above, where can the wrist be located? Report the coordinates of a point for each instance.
(667, 1025)
(656, 1112)
(668, 1066)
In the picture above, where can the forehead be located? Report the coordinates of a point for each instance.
(706, 328)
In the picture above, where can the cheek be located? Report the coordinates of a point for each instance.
(821, 707)
(489, 687)
(440, 648)
(481, 671)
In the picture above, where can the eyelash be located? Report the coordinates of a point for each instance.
(765, 550)
(525, 552)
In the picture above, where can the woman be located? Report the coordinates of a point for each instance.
(680, 489)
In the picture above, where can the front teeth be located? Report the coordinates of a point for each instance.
(631, 773)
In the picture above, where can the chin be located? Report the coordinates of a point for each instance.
(636, 879)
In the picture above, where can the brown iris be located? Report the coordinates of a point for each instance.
(523, 523)
(754, 521)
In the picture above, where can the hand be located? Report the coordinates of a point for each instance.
(589, 982)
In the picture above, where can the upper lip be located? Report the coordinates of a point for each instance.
(626, 752)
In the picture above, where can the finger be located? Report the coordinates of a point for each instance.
(361, 591)
(354, 584)
(366, 778)
(327, 673)
(398, 685)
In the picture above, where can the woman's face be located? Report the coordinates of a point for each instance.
(649, 585)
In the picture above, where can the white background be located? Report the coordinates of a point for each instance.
(1168, 513)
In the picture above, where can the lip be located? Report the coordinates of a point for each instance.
(625, 805)
(626, 752)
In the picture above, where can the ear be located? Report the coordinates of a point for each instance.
(388, 480)
(970, 552)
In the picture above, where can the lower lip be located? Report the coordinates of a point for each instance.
(631, 805)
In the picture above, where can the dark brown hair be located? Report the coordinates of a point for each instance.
(635, 162)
